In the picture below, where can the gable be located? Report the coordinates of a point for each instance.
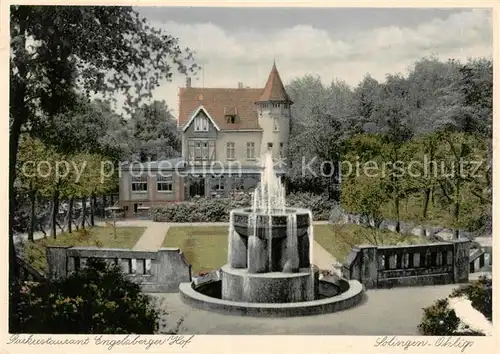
(201, 121)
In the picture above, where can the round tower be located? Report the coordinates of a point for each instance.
(273, 109)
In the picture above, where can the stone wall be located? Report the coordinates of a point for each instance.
(409, 265)
(160, 271)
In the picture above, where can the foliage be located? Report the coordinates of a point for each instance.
(439, 319)
(96, 300)
(61, 55)
(320, 205)
(480, 293)
(218, 209)
(434, 96)
(154, 132)
(442, 176)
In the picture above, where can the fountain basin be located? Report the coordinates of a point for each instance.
(270, 241)
(332, 296)
(277, 220)
(272, 287)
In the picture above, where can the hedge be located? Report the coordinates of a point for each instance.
(217, 209)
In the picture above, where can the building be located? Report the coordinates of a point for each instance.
(225, 131)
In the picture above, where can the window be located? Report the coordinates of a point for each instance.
(281, 150)
(201, 150)
(139, 184)
(269, 146)
(276, 124)
(164, 183)
(230, 119)
(230, 150)
(250, 150)
(218, 183)
(201, 124)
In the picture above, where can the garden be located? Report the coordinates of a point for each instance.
(97, 236)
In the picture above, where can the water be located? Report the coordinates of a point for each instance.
(269, 196)
(230, 236)
(311, 238)
(292, 242)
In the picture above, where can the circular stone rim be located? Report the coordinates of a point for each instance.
(288, 211)
(350, 298)
(243, 272)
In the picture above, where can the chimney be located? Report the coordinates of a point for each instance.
(240, 85)
(188, 82)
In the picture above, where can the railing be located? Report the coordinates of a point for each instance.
(160, 271)
(387, 266)
(480, 258)
(28, 273)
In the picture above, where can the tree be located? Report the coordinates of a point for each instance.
(462, 153)
(31, 171)
(425, 152)
(155, 133)
(363, 183)
(98, 299)
(58, 52)
(321, 122)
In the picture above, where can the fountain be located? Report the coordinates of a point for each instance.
(270, 268)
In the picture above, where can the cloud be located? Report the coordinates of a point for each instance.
(247, 56)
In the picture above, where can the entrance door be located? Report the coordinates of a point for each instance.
(197, 187)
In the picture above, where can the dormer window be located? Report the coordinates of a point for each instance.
(230, 119)
(201, 124)
(231, 114)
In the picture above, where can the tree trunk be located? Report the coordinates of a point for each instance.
(396, 206)
(15, 132)
(456, 212)
(20, 113)
(70, 214)
(92, 208)
(84, 210)
(31, 229)
(425, 210)
(55, 212)
(456, 209)
(104, 206)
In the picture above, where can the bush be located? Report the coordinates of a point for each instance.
(439, 319)
(480, 293)
(98, 299)
(217, 209)
(320, 205)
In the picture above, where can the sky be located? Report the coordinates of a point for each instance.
(239, 44)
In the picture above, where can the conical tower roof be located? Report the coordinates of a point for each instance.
(274, 90)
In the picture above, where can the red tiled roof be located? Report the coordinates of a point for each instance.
(274, 89)
(214, 100)
(218, 102)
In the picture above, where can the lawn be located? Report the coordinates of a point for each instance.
(205, 247)
(338, 240)
(126, 237)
